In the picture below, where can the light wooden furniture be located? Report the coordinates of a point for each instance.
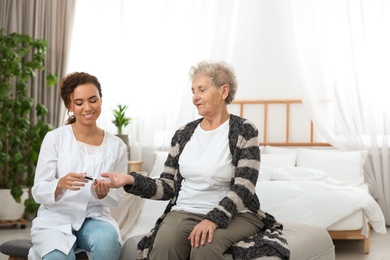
(288, 122)
(135, 166)
(353, 235)
(287, 104)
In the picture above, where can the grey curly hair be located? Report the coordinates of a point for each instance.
(220, 73)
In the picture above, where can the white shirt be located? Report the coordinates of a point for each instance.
(205, 165)
(60, 154)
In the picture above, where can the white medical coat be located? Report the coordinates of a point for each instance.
(60, 154)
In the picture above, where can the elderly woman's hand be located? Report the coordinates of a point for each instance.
(117, 180)
(201, 231)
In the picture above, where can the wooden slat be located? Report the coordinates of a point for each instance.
(265, 121)
(292, 144)
(287, 103)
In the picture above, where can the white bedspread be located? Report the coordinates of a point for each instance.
(308, 196)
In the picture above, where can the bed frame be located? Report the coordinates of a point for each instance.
(287, 106)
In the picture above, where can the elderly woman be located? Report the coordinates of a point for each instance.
(209, 177)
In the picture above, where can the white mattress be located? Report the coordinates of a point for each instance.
(354, 221)
(307, 196)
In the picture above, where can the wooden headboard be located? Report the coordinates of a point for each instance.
(288, 117)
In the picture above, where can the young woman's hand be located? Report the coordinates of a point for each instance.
(72, 181)
(101, 188)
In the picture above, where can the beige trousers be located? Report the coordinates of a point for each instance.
(171, 242)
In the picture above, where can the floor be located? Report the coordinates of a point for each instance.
(345, 250)
(353, 249)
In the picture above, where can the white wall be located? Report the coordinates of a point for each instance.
(273, 72)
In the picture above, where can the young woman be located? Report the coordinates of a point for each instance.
(74, 213)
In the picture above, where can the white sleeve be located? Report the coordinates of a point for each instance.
(115, 196)
(45, 181)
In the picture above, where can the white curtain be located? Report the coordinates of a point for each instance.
(141, 51)
(344, 55)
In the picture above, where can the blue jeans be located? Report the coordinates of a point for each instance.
(95, 236)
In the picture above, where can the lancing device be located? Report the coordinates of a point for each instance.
(87, 177)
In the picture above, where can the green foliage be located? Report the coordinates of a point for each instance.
(30, 206)
(120, 118)
(21, 57)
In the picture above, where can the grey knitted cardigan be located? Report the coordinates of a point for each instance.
(243, 144)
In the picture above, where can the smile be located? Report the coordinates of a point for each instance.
(88, 115)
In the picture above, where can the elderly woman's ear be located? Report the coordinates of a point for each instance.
(225, 91)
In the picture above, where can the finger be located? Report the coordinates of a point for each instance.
(73, 189)
(76, 184)
(102, 187)
(203, 237)
(79, 177)
(211, 235)
(71, 186)
(101, 184)
(105, 175)
(86, 177)
(191, 238)
(197, 238)
(98, 185)
(106, 188)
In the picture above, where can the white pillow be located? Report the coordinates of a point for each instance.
(346, 167)
(158, 163)
(279, 150)
(278, 160)
(261, 148)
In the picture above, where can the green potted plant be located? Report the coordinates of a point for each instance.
(121, 121)
(21, 136)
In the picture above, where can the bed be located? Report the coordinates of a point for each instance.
(305, 180)
(302, 181)
(305, 241)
